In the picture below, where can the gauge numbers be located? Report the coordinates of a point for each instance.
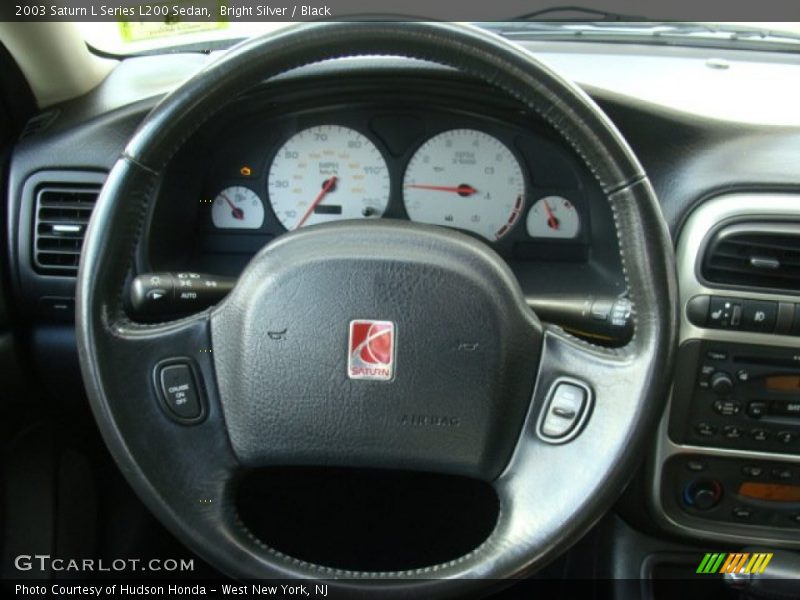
(327, 173)
(237, 207)
(553, 217)
(467, 179)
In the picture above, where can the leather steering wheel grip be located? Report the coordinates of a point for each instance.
(549, 494)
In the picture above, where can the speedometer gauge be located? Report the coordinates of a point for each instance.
(467, 179)
(326, 173)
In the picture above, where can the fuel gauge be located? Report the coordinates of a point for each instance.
(237, 207)
(553, 217)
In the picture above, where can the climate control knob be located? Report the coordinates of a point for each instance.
(702, 494)
(722, 383)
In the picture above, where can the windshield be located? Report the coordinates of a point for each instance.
(125, 38)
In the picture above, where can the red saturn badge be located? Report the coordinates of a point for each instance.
(372, 347)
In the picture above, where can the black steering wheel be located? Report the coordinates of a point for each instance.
(555, 424)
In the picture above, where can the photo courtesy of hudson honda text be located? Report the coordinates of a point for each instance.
(60, 589)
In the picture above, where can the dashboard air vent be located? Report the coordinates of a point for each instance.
(755, 255)
(62, 214)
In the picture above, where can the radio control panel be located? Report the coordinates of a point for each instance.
(741, 396)
(753, 492)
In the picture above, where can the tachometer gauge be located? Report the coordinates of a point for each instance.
(553, 217)
(467, 179)
(327, 173)
(237, 207)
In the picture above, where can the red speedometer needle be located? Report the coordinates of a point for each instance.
(236, 212)
(326, 187)
(461, 190)
(552, 222)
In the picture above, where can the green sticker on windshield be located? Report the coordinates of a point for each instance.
(180, 17)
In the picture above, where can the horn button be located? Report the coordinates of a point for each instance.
(382, 344)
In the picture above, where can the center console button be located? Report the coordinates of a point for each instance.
(724, 313)
(781, 473)
(696, 465)
(742, 513)
(758, 315)
(756, 409)
(759, 435)
(705, 375)
(752, 471)
(705, 429)
(787, 437)
(732, 432)
(727, 407)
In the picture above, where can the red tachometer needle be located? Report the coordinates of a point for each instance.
(461, 190)
(552, 222)
(326, 187)
(236, 212)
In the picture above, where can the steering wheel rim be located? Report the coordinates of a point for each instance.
(544, 507)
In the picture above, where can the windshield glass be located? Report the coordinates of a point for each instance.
(126, 38)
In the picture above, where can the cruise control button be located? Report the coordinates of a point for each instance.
(179, 391)
(567, 404)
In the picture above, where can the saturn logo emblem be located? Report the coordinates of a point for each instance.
(371, 350)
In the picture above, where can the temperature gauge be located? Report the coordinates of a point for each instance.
(553, 217)
(237, 207)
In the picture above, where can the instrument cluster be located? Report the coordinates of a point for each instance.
(463, 177)
(497, 175)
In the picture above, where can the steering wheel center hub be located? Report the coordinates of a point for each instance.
(381, 345)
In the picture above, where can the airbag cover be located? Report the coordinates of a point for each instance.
(466, 350)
